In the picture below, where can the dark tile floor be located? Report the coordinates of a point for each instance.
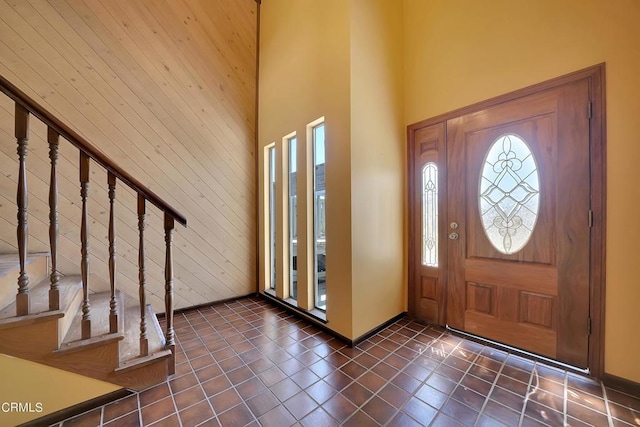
(248, 363)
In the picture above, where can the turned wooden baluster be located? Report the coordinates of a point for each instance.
(113, 304)
(144, 342)
(84, 237)
(168, 298)
(22, 137)
(54, 293)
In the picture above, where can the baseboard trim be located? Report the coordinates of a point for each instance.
(378, 328)
(622, 384)
(304, 315)
(80, 408)
(207, 304)
(322, 324)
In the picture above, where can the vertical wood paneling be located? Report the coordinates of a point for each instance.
(167, 90)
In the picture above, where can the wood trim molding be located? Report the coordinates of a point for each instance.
(205, 305)
(549, 84)
(377, 329)
(289, 304)
(598, 158)
(322, 324)
(596, 77)
(622, 384)
(72, 411)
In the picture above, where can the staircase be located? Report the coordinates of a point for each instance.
(56, 319)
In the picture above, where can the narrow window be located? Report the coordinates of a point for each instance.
(293, 220)
(272, 216)
(430, 215)
(319, 218)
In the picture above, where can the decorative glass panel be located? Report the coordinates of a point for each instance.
(509, 194)
(430, 215)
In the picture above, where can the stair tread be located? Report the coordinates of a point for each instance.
(39, 296)
(127, 368)
(140, 361)
(99, 315)
(130, 346)
(128, 327)
(9, 262)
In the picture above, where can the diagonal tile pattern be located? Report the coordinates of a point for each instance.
(248, 363)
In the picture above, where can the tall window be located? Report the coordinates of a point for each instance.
(272, 216)
(293, 219)
(319, 218)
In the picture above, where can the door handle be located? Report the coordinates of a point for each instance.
(453, 236)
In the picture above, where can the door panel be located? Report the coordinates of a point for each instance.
(427, 290)
(536, 298)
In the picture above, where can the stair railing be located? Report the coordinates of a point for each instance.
(26, 107)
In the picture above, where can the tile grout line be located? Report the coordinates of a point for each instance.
(565, 403)
(224, 372)
(287, 376)
(399, 410)
(534, 371)
(234, 386)
(459, 383)
(193, 371)
(139, 409)
(606, 404)
(493, 386)
(441, 363)
(281, 347)
(387, 381)
(302, 390)
(254, 328)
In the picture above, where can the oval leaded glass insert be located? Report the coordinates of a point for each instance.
(509, 193)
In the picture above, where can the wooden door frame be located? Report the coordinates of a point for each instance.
(597, 159)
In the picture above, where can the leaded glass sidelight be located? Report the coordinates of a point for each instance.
(430, 215)
(509, 194)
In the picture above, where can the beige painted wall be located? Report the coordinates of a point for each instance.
(341, 60)
(22, 382)
(304, 75)
(167, 90)
(460, 52)
(377, 163)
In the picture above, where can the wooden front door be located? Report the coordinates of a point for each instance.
(506, 219)
(518, 223)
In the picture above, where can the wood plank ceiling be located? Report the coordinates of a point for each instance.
(167, 90)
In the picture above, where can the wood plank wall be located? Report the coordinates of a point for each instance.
(167, 90)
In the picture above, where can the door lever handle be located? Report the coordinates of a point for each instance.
(453, 236)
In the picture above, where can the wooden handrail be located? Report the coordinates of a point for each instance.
(83, 145)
